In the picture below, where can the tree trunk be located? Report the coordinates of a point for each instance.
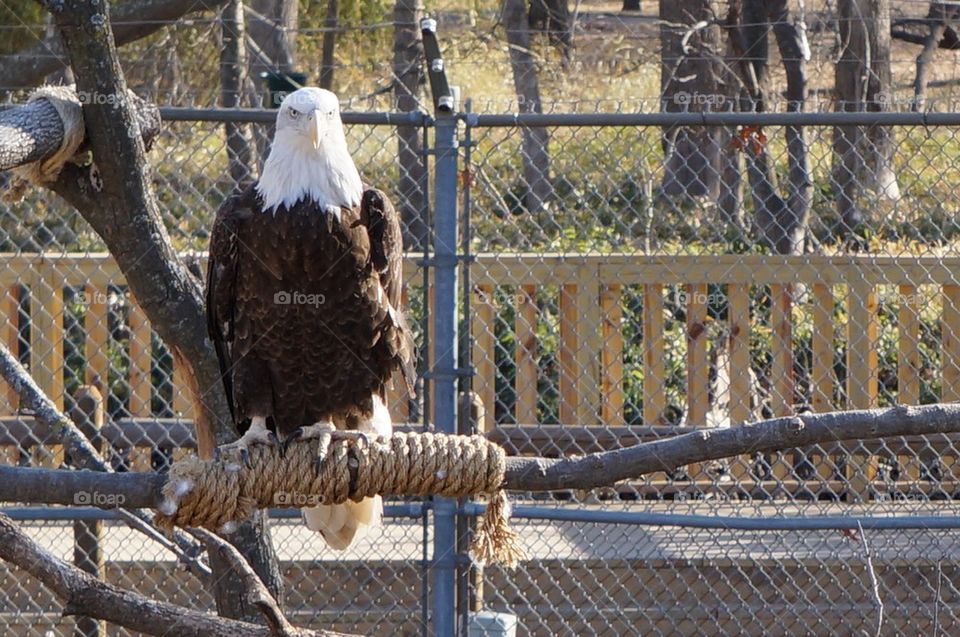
(780, 221)
(794, 51)
(941, 16)
(553, 18)
(122, 209)
(273, 28)
(408, 70)
(327, 62)
(241, 149)
(863, 156)
(693, 162)
(136, 19)
(535, 140)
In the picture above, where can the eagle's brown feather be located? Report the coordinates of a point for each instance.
(304, 310)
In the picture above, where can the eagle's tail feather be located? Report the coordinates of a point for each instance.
(342, 524)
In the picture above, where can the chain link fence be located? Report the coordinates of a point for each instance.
(621, 288)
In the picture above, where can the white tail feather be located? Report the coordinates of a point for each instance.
(342, 524)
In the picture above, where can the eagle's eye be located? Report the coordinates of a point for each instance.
(294, 113)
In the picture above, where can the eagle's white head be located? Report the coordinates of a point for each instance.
(309, 156)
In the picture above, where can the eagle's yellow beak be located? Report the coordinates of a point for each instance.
(316, 130)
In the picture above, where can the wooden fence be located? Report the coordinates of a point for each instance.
(577, 300)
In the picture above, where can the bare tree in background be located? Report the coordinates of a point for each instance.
(241, 149)
(273, 27)
(690, 81)
(941, 18)
(552, 17)
(535, 140)
(863, 156)
(328, 60)
(780, 220)
(408, 77)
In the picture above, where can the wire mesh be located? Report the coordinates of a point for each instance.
(606, 309)
(640, 295)
(72, 321)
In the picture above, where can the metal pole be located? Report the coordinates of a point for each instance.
(444, 373)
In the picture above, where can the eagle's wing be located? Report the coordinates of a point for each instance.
(386, 254)
(222, 267)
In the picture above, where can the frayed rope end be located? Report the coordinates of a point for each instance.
(495, 542)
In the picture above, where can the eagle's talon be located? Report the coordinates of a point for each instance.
(295, 435)
(238, 452)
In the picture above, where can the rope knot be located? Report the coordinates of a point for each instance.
(214, 494)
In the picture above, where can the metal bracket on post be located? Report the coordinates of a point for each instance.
(443, 101)
(443, 373)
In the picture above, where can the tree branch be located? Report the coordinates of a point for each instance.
(132, 490)
(133, 20)
(83, 594)
(122, 209)
(34, 131)
(257, 593)
(85, 456)
(124, 212)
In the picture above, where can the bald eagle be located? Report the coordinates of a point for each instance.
(303, 300)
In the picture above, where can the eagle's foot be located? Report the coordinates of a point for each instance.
(256, 434)
(327, 433)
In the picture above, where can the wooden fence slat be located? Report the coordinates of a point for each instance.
(611, 363)
(862, 364)
(46, 348)
(182, 403)
(398, 400)
(698, 362)
(654, 379)
(484, 341)
(908, 358)
(781, 368)
(822, 377)
(11, 337)
(950, 344)
(88, 554)
(569, 345)
(588, 353)
(526, 356)
(97, 344)
(950, 379)
(862, 358)
(141, 361)
(738, 341)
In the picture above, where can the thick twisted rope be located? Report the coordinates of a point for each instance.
(214, 494)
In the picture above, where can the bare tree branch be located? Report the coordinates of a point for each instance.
(874, 584)
(84, 455)
(133, 20)
(83, 594)
(18, 484)
(257, 593)
(122, 209)
(34, 131)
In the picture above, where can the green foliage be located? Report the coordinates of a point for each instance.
(21, 24)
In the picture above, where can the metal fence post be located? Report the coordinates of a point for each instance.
(444, 372)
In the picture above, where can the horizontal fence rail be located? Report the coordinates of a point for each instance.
(600, 308)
